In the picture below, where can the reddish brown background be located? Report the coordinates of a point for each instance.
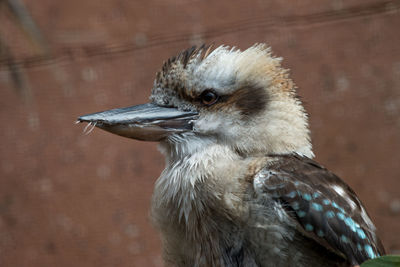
(67, 199)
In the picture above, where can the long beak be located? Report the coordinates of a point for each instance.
(147, 122)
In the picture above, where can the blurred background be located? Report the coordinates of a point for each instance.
(69, 199)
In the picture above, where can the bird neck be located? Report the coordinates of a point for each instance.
(193, 168)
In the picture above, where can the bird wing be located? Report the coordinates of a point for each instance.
(322, 206)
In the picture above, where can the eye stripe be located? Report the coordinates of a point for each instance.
(251, 100)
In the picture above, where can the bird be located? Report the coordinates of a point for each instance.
(240, 186)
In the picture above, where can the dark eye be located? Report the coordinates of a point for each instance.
(208, 97)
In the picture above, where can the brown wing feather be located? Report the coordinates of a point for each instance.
(325, 208)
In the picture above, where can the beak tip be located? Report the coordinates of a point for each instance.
(80, 120)
(87, 118)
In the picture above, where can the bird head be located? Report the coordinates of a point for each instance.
(243, 100)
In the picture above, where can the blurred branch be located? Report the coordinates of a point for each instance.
(332, 16)
(24, 19)
(16, 72)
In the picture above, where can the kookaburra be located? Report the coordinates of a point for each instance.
(240, 187)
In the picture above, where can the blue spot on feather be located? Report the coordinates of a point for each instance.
(291, 194)
(320, 233)
(340, 215)
(316, 195)
(369, 251)
(329, 214)
(326, 201)
(350, 223)
(316, 206)
(301, 213)
(295, 205)
(361, 233)
(344, 239)
(307, 197)
(337, 207)
(359, 246)
(309, 227)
